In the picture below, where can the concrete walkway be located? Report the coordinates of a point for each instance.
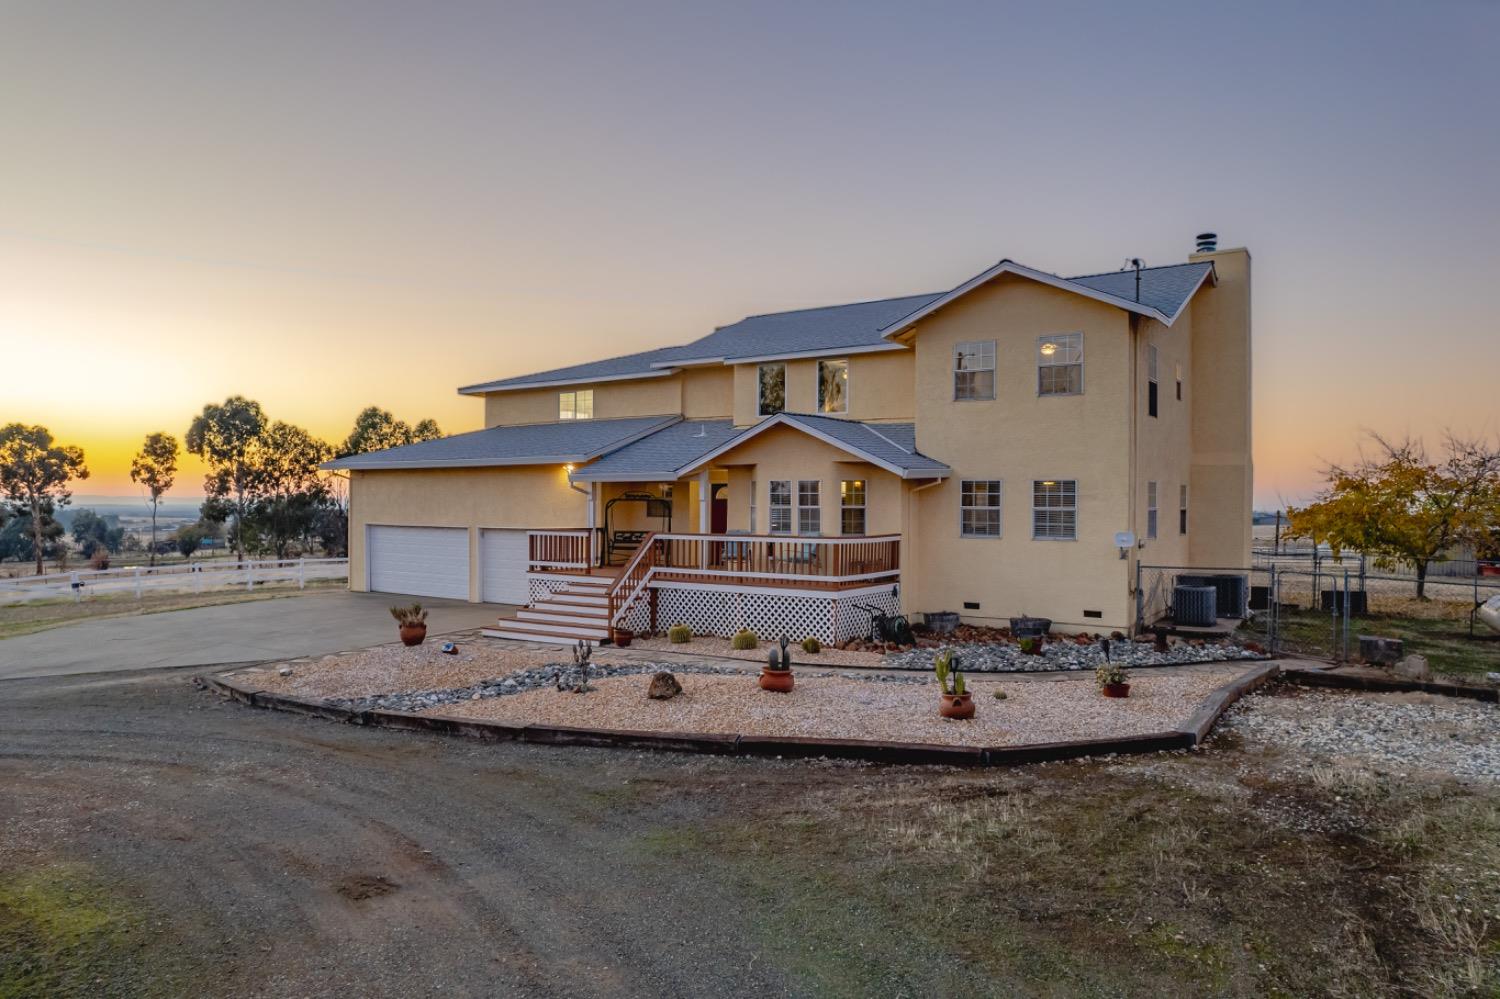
(285, 628)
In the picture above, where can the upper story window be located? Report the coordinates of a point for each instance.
(1054, 510)
(772, 391)
(1179, 381)
(979, 508)
(1182, 509)
(1151, 389)
(752, 506)
(974, 370)
(833, 386)
(852, 506)
(809, 512)
(575, 405)
(1150, 509)
(1059, 364)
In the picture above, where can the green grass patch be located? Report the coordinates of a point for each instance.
(1443, 639)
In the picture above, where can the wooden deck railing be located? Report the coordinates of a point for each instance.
(571, 549)
(632, 580)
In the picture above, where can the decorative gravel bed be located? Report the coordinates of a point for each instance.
(1004, 657)
(895, 709)
(1403, 732)
(705, 645)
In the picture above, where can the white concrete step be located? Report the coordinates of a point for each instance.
(590, 631)
(545, 615)
(530, 632)
(580, 599)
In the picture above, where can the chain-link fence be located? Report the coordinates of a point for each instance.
(1194, 601)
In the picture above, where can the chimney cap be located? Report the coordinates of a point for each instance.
(1207, 242)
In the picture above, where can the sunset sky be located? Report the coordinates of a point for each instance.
(324, 206)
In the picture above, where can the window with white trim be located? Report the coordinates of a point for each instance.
(1179, 381)
(833, 386)
(809, 513)
(979, 508)
(1150, 509)
(752, 505)
(1054, 509)
(1059, 364)
(974, 370)
(1152, 393)
(772, 391)
(1182, 509)
(781, 507)
(852, 506)
(577, 405)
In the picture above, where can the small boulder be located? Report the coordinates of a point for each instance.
(1414, 667)
(664, 686)
(284, 671)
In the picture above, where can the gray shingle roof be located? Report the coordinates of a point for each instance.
(659, 455)
(574, 441)
(891, 444)
(858, 325)
(1165, 289)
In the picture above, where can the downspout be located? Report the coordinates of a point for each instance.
(1131, 423)
(591, 517)
(908, 556)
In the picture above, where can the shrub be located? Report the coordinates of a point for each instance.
(743, 639)
(680, 634)
(811, 646)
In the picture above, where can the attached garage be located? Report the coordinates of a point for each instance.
(421, 561)
(503, 558)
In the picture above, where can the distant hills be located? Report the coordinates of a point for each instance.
(171, 506)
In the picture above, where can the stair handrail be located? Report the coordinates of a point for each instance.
(636, 573)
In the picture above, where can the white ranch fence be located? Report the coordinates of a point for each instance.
(194, 577)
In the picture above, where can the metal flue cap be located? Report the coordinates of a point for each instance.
(1207, 242)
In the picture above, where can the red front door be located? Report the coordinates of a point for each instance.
(718, 512)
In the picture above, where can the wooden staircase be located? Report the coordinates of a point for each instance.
(579, 610)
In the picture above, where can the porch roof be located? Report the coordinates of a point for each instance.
(569, 441)
(657, 457)
(891, 446)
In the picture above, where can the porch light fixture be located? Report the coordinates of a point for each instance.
(569, 469)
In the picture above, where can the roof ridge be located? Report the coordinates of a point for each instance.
(1125, 270)
(841, 305)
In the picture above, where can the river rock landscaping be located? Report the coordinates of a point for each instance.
(1063, 654)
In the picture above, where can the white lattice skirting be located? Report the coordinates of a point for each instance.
(541, 587)
(770, 613)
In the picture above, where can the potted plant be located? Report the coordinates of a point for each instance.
(413, 623)
(1112, 680)
(1031, 645)
(776, 674)
(956, 702)
(621, 636)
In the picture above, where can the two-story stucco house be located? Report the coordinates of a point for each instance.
(984, 450)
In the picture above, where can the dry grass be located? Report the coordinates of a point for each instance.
(41, 615)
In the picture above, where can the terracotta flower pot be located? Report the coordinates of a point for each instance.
(957, 706)
(779, 680)
(413, 634)
(622, 636)
(1115, 690)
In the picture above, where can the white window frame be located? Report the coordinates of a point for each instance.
(575, 405)
(1182, 509)
(1043, 511)
(844, 398)
(760, 387)
(966, 506)
(846, 506)
(1178, 372)
(983, 353)
(1151, 513)
(1067, 353)
(783, 508)
(810, 515)
(1153, 384)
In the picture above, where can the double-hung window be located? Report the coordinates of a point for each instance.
(852, 506)
(1152, 393)
(772, 389)
(781, 507)
(1182, 509)
(1059, 364)
(974, 370)
(753, 485)
(833, 386)
(979, 508)
(1054, 510)
(1179, 381)
(1150, 509)
(577, 405)
(809, 514)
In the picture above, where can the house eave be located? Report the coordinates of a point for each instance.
(493, 388)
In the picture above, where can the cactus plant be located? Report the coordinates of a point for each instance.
(679, 634)
(743, 639)
(811, 646)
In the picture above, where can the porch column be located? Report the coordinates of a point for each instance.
(705, 488)
(593, 518)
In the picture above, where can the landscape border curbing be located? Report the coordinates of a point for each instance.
(1329, 677)
(724, 744)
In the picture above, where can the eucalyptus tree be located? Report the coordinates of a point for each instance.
(34, 474)
(155, 467)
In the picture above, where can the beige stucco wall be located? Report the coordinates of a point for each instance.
(532, 496)
(1222, 485)
(646, 397)
(880, 387)
(708, 392)
(1020, 437)
(1163, 443)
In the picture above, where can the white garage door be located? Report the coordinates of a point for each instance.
(503, 558)
(422, 561)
